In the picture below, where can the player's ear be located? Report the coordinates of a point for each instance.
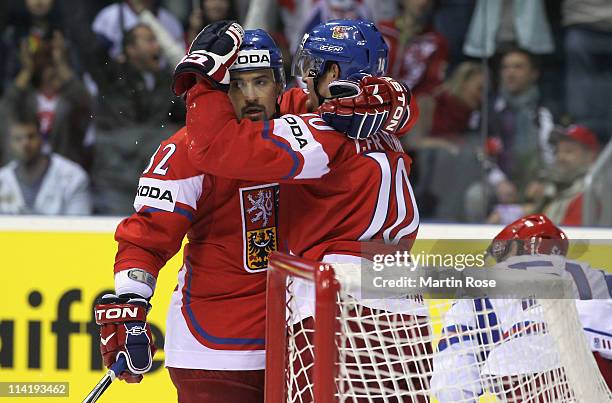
(335, 71)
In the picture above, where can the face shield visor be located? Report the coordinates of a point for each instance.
(253, 83)
(305, 64)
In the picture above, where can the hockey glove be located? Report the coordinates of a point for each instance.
(124, 331)
(210, 56)
(359, 110)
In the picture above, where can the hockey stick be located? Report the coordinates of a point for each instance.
(117, 368)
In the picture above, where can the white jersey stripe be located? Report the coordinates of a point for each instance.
(295, 132)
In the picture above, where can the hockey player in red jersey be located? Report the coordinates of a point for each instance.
(336, 194)
(215, 329)
(305, 150)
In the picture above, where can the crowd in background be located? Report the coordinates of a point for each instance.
(514, 97)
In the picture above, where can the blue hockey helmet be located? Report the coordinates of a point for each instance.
(355, 45)
(259, 51)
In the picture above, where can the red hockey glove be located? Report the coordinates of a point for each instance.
(362, 109)
(210, 55)
(124, 331)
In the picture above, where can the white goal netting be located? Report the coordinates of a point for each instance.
(415, 350)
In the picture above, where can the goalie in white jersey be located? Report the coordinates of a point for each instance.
(500, 338)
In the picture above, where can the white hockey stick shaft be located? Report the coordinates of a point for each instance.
(117, 368)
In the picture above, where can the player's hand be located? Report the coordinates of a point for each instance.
(124, 331)
(210, 55)
(375, 103)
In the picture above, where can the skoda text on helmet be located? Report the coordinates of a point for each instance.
(535, 234)
(356, 46)
(259, 51)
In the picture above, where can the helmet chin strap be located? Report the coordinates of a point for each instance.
(320, 98)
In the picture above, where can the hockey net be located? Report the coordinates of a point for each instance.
(387, 351)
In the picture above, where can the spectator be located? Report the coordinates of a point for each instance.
(299, 17)
(508, 209)
(115, 20)
(29, 21)
(451, 18)
(576, 150)
(588, 51)
(519, 121)
(38, 183)
(47, 85)
(417, 56)
(134, 108)
(172, 50)
(209, 11)
(457, 104)
(518, 146)
(499, 23)
(451, 145)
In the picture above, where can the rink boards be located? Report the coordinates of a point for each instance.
(55, 268)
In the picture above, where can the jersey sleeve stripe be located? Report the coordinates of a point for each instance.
(201, 332)
(177, 209)
(293, 154)
(449, 341)
(588, 329)
(527, 265)
(580, 279)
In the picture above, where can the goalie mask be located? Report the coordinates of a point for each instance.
(356, 46)
(534, 235)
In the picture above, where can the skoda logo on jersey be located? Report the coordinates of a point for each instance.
(156, 193)
(252, 59)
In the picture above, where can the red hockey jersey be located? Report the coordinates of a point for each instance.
(336, 193)
(231, 227)
(217, 314)
(294, 100)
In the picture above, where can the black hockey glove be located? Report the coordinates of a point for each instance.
(210, 55)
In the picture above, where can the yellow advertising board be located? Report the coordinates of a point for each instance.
(53, 271)
(50, 281)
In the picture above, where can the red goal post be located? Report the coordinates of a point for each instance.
(282, 268)
(361, 353)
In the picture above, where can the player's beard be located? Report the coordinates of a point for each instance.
(254, 112)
